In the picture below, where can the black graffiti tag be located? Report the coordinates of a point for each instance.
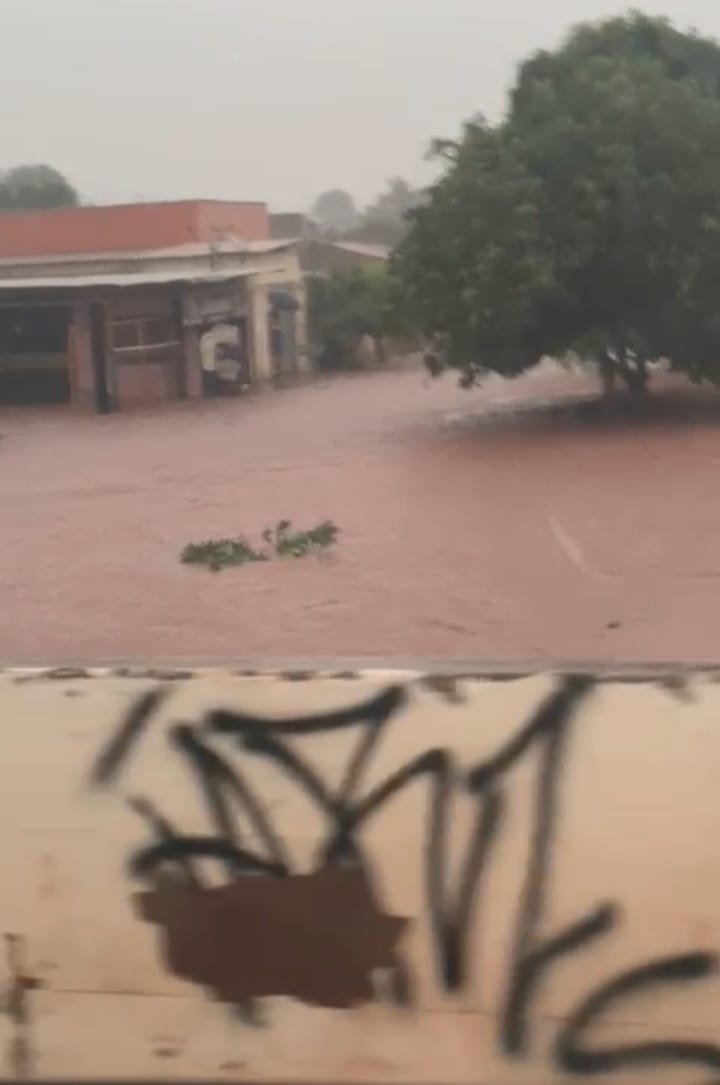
(265, 894)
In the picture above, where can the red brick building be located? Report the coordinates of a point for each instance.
(128, 227)
(107, 307)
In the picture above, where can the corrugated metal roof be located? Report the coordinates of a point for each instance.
(363, 248)
(224, 247)
(146, 278)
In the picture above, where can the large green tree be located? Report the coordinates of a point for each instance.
(589, 220)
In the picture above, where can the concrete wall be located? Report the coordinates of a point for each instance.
(379, 877)
(261, 367)
(245, 221)
(145, 385)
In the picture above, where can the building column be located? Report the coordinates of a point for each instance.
(105, 378)
(193, 365)
(261, 361)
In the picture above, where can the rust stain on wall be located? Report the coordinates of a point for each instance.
(316, 937)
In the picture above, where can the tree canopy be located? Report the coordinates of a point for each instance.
(385, 220)
(589, 219)
(35, 188)
(335, 210)
(345, 306)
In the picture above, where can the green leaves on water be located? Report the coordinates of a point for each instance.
(288, 543)
(281, 541)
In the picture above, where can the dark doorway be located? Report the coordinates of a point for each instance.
(282, 331)
(179, 314)
(34, 362)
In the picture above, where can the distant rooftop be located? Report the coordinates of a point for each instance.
(101, 279)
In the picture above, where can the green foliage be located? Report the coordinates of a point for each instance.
(589, 219)
(287, 542)
(385, 221)
(35, 188)
(345, 306)
(217, 554)
(283, 541)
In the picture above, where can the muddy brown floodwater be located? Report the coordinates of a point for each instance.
(467, 530)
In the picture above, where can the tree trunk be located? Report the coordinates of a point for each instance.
(634, 373)
(608, 372)
(637, 379)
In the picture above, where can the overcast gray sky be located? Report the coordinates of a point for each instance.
(264, 99)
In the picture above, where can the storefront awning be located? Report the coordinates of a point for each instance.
(119, 279)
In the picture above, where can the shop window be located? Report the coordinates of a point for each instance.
(143, 339)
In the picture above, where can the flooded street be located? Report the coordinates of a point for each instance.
(463, 534)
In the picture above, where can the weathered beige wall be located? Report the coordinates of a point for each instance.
(276, 267)
(535, 894)
(280, 268)
(261, 362)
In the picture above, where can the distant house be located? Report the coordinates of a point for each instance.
(329, 257)
(320, 254)
(108, 307)
(293, 225)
